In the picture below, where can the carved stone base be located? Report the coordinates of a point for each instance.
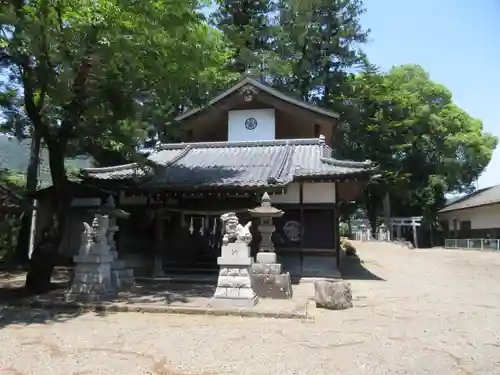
(234, 286)
(269, 282)
(92, 279)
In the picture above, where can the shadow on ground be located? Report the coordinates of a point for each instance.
(14, 297)
(352, 268)
(166, 292)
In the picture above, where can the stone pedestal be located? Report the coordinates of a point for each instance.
(234, 287)
(92, 279)
(121, 277)
(158, 266)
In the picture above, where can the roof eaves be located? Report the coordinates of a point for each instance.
(266, 88)
(460, 207)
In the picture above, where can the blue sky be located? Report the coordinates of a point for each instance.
(456, 41)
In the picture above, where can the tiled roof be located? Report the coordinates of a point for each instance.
(489, 195)
(236, 164)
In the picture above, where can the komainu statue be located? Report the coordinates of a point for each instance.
(87, 239)
(94, 237)
(233, 230)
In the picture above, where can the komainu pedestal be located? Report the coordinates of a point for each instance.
(234, 287)
(92, 278)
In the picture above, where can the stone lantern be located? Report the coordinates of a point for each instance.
(265, 212)
(267, 279)
(122, 277)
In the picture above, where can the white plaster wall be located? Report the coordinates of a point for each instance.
(264, 131)
(291, 195)
(318, 192)
(485, 217)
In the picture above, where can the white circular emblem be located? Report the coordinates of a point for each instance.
(250, 123)
(293, 230)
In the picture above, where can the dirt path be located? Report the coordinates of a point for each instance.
(416, 312)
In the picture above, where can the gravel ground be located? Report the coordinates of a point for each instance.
(416, 312)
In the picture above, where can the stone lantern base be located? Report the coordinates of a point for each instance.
(121, 277)
(269, 282)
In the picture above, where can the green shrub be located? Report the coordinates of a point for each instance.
(10, 211)
(347, 246)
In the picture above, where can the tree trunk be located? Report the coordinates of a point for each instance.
(45, 253)
(22, 248)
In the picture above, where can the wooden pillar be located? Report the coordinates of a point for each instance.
(336, 226)
(415, 235)
(159, 244)
(301, 208)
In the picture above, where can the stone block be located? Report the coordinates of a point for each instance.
(122, 279)
(235, 250)
(234, 282)
(118, 265)
(333, 295)
(266, 257)
(272, 285)
(232, 303)
(89, 278)
(234, 261)
(266, 269)
(93, 258)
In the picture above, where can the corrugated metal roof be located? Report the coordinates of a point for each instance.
(489, 195)
(236, 164)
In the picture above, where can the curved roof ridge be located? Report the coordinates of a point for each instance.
(348, 163)
(275, 142)
(115, 168)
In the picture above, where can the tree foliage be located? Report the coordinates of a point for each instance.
(88, 75)
(247, 27)
(95, 76)
(425, 144)
(320, 43)
(12, 207)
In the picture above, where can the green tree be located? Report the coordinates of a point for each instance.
(425, 144)
(246, 25)
(319, 41)
(88, 74)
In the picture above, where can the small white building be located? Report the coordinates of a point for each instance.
(476, 215)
